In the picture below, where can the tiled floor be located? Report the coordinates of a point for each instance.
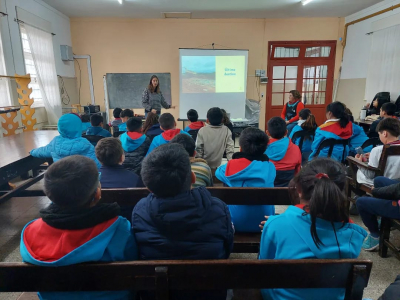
(16, 212)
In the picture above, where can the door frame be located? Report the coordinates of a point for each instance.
(300, 62)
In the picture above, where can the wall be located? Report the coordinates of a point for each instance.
(141, 46)
(12, 41)
(356, 56)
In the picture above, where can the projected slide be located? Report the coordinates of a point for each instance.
(213, 74)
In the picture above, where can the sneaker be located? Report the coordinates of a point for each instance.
(370, 243)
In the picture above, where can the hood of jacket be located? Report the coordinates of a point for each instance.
(70, 126)
(132, 140)
(277, 148)
(332, 129)
(196, 125)
(170, 134)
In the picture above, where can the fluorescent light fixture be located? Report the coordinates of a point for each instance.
(120, 2)
(306, 1)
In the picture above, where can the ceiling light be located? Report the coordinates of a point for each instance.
(120, 2)
(306, 1)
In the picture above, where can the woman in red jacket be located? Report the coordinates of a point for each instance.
(290, 112)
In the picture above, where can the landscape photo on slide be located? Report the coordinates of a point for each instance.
(198, 74)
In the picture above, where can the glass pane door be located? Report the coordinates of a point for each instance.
(314, 84)
(284, 79)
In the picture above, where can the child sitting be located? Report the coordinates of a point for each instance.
(306, 123)
(85, 122)
(126, 114)
(249, 168)
(168, 124)
(389, 131)
(113, 175)
(74, 228)
(199, 166)
(193, 119)
(214, 139)
(285, 155)
(69, 142)
(338, 127)
(151, 126)
(175, 222)
(97, 127)
(317, 228)
(117, 118)
(135, 145)
(388, 110)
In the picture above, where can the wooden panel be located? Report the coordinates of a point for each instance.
(25, 101)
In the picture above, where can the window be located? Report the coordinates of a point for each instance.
(5, 98)
(31, 69)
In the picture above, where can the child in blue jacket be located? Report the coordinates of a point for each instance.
(193, 118)
(69, 142)
(126, 114)
(75, 229)
(306, 123)
(249, 168)
(338, 127)
(168, 124)
(97, 127)
(317, 228)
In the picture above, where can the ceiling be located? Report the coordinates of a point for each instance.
(207, 9)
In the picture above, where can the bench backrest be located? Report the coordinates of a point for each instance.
(303, 134)
(374, 141)
(331, 143)
(231, 196)
(163, 276)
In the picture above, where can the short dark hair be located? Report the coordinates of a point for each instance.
(134, 124)
(214, 116)
(85, 118)
(127, 113)
(186, 141)
(192, 115)
(72, 182)
(166, 171)
(95, 120)
(389, 108)
(117, 112)
(109, 151)
(253, 141)
(167, 121)
(277, 127)
(390, 125)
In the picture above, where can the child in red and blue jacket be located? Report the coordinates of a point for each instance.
(193, 117)
(281, 151)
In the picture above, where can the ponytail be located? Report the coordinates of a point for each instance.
(309, 118)
(338, 110)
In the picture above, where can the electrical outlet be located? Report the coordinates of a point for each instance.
(262, 73)
(262, 95)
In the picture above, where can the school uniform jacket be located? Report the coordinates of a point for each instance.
(287, 236)
(331, 130)
(357, 139)
(306, 142)
(135, 146)
(194, 126)
(95, 130)
(245, 173)
(164, 138)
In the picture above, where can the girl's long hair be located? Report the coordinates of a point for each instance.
(152, 88)
(151, 120)
(309, 118)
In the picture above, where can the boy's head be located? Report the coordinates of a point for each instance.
(73, 182)
(388, 110)
(126, 114)
(276, 128)
(109, 152)
(253, 141)
(187, 142)
(117, 112)
(96, 120)
(192, 115)
(215, 116)
(388, 130)
(167, 121)
(134, 124)
(166, 171)
(85, 118)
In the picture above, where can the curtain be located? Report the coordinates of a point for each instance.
(41, 44)
(384, 63)
(5, 98)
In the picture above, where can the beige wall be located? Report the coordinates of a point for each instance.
(351, 92)
(147, 46)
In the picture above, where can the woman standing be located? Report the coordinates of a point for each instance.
(152, 98)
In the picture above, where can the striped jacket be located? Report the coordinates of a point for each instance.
(202, 171)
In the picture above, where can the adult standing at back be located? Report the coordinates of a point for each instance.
(290, 112)
(153, 99)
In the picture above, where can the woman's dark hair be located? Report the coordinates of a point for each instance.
(309, 118)
(296, 94)
(152, 88)
(225, 118)
(338, 110)
(325, 194)
(152, 119)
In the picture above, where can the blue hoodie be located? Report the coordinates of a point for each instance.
(287, 236)
(245, 173)
(154, 130)
(96, 130)
(85, 126)
(108, 241)
(122, 127)
(306, 142)
(164, 138)
(130, 144)
(69, 142)
(357, 139)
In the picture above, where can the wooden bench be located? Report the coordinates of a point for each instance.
(243, 242)
(165, 276)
